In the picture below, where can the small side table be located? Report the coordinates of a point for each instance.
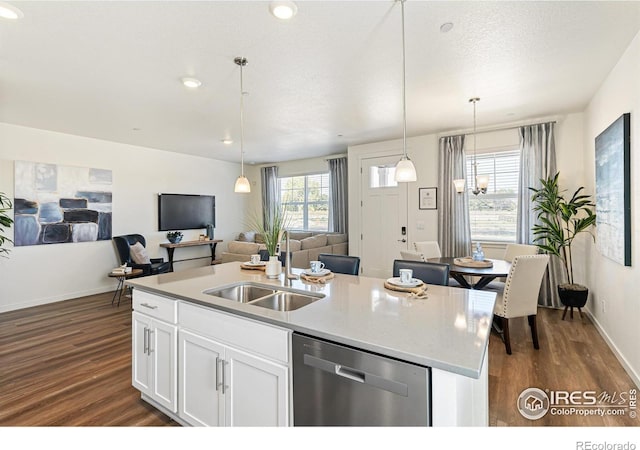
(122, 277)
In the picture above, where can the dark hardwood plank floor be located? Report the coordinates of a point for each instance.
(69, 364)
(572, 356)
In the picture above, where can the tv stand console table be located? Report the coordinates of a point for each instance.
(171, 248)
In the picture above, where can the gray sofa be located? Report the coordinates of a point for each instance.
(305, 246)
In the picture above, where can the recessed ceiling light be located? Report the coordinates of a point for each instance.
(446, 27)
(191, 82)
(10, 12)
(284, 10)
(227, 141)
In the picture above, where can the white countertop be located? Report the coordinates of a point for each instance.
(449, 330)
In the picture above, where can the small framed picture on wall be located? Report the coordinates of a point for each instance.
(428, 198)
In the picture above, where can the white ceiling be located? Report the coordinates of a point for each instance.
(329, 78)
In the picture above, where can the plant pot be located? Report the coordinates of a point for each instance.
(175, 240)
(273, 267)
(573, 295)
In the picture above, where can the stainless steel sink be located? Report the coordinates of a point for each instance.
(275, 298)
(243, 293)
(285, 301)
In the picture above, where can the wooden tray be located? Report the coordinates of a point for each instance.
(415, 289)
(469, 262)
(316, 279)
(248, 267)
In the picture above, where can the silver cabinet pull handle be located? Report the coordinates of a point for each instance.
(145, 345)
(146, 305)
(224, 377)
(150, 341)
(217, 375)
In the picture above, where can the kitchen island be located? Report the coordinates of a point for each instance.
(447, 332)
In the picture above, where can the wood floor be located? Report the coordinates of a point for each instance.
(69, 364)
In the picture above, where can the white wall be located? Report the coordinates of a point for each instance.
(46, 273)
(614, 302)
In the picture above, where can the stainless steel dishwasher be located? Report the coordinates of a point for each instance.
(341, 386)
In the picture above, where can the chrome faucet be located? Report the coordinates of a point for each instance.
(288, 276)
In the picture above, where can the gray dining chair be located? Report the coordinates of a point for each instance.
(349, 265)
(430, 273)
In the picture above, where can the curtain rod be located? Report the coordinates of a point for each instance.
(508, 126)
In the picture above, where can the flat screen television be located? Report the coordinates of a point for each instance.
(185, 212)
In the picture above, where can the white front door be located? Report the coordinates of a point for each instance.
(384, 213)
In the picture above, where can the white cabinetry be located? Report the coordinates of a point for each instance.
(154, 348)
(233, 371)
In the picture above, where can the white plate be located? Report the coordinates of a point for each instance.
(396, 282)
(321, 273)
(261, 263)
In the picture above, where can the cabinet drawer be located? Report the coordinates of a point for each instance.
(162, 308)
(255, 337)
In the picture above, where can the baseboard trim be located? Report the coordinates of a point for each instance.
(55, 299)
(619, 356)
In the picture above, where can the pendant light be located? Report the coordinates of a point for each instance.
(242, 183)
(405, 170)
(482, 181)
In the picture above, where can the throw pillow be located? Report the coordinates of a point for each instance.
(247, 236)
(139, 254)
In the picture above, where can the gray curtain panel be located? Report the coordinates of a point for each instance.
(454, 229)
(537, 160)
(338, 195)
(270, 191)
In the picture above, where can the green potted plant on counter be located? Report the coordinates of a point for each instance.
(559, 222)
(271, 227)
(5, 222)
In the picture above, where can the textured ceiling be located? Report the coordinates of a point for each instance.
(329, 78)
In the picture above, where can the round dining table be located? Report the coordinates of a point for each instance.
(500, 268)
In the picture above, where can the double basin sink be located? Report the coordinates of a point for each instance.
(265, 296)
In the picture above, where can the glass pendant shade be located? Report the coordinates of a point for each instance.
(242, 185)
(405, 171)
(483, 182)
(459, 185)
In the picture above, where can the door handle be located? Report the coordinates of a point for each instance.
(145, 345)
(402, 240)
(217, 373)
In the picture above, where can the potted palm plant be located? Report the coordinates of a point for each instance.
(5, 222)
(559, 222)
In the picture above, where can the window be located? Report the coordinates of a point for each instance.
(306, 201)
(382, 176)
(494, 215)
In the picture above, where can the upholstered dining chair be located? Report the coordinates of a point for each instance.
(428, 249)
(513, 250)
(510, 252)
(520, 295)
(131, 249)
(411, 256)
(349, 265)
(430, 273)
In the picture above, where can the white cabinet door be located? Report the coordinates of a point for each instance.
(256, 392)
(163, 352)
(141, 363)
(154, 349)
(200, 380)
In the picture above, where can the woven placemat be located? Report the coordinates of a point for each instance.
(315, 279)
(415, 289)
(469, 262)
(247, 267)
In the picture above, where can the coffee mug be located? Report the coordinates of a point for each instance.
(405, 275)
(255, 259)
(316, 266)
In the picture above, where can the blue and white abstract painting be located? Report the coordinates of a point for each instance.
(613, 203)
(55, 204)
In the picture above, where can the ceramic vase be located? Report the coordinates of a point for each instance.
(273, 267)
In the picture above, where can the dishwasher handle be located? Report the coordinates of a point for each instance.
(357, 375)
